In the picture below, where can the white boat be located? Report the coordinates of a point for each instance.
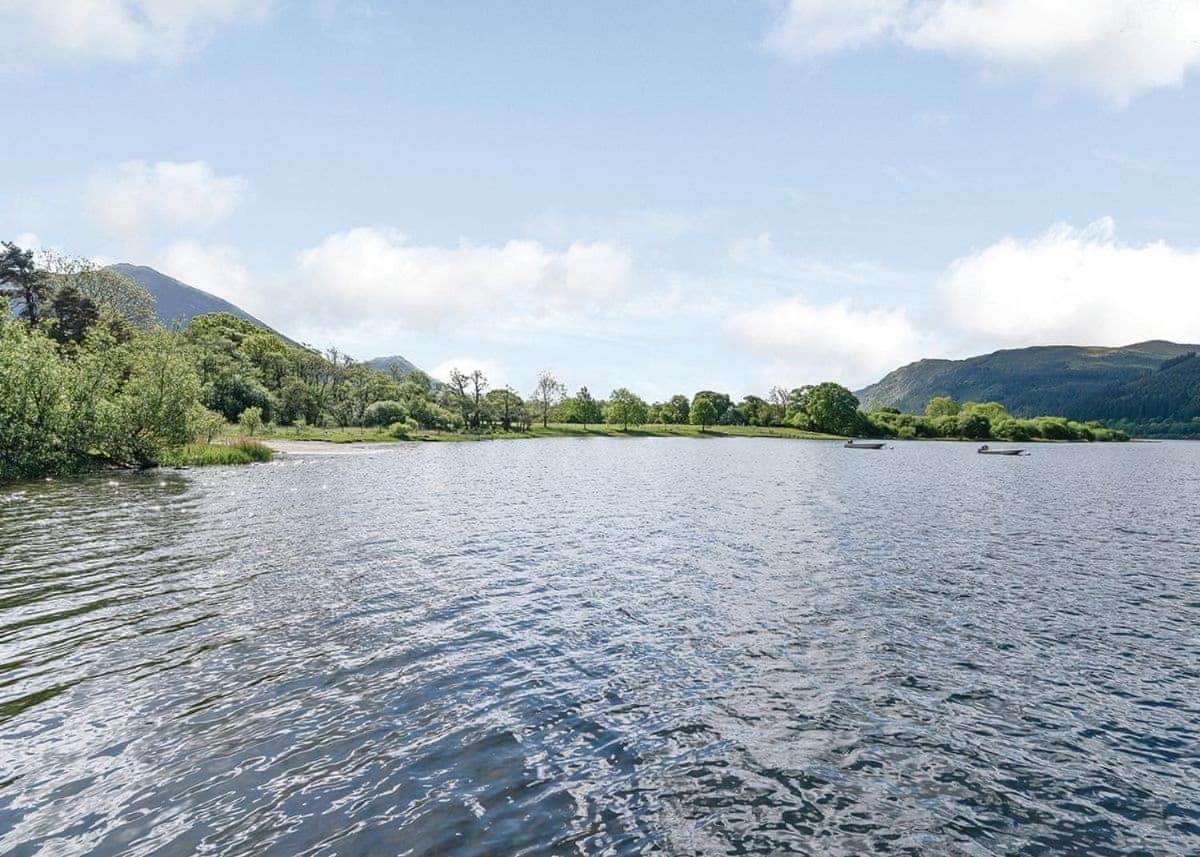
(987, 450)
(860, 444)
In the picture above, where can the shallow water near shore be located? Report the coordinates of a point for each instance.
(607, 647)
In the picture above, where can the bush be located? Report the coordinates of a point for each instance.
(906, 433)
(401, 430)
(384, 413)
(251, 420)
(973, 425)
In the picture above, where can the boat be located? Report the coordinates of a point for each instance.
(859, 444)
(987, 450)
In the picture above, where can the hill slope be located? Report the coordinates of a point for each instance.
(177, 301)
(1137, 384)
(387, 364)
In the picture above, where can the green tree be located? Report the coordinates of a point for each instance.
(548, 393)
(942, 406)
(506, 406)
(584, 409)
(74, 315)
(20, 279)
(973, 425)
(703, 412)
(384, 413)
(832, 409)
(251, 421)
(154, 408)
(994, 411)
(677, 410)
(626, 408)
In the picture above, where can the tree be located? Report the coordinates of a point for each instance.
(676, 410)
(154, 408)
(994, 411)
(703, 412)
(548, 393)
(251, 421)
(626, 408)
(506, 405)
(973, 425)
(384, 413)
(457, 390)
(586, 410)
(479, 384)
(721, 401)
(207, 424)
(21, 279)
(941, 406)
(832, 409)
(74, 314)
(104, 286)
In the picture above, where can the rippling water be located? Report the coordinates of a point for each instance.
(608, 646)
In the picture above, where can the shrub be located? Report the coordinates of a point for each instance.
(251, 420)
(384, 413)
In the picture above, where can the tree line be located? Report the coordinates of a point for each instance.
(88, 374)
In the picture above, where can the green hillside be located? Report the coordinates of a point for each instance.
(1147, 388)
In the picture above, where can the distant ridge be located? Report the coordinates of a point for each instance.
(1148, 386)
(176, 301)
(386, 364)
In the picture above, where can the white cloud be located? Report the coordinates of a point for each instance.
(28, 241)
(37, 32)
(368, 275)
(1118, 49)
(833, 341)
(136, 197)
(1075, 286)
(810, 29)
(215, 268)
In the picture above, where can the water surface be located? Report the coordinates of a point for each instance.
(608, 646)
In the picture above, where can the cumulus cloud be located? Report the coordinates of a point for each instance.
(1077, 286)
(368, 274)
(135, 197)
(815, 342)
(37, 32)
(1118, 49)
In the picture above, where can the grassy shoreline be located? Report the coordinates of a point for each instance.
(554, 430)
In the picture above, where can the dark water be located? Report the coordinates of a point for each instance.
(639, 646)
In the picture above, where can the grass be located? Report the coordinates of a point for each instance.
(381, 435)
(240, 451)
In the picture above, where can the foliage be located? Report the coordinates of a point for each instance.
(626, 409)
(703, 412)
(941, 406)
(384, 413)
(251, 420)
(831, 408)
(21, 280)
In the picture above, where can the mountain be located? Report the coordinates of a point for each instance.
(387, 364)
(1138, 385)
(177, 301)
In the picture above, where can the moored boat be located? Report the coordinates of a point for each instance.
(860, 444)
(987, 450)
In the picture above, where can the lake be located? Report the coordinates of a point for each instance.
(724, 646)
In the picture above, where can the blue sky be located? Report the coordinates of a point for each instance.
(665, 196)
